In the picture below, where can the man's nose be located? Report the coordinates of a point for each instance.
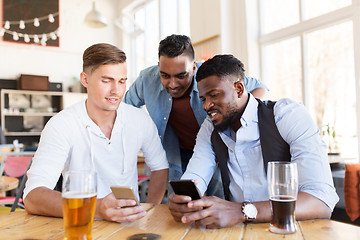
(173, 82)
(207, 105)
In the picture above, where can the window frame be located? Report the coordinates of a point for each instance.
(349, 13)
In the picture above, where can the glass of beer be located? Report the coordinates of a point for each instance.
(79, 197)
(283, 188)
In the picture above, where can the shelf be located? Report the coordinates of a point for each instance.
(22, 133)
(35, 114)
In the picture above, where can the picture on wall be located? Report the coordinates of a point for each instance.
(31, 22)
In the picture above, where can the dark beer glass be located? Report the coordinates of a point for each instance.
(283, 188)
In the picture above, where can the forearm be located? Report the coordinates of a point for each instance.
(307, 207)
(44, 201)
(157, 186)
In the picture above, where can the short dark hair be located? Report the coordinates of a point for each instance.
(175, 45)
(221, 66)
(101, 54)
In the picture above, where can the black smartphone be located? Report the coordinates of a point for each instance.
(185, 187)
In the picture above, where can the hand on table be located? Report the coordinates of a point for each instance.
(118, 210)
(178, 206)
(213, 212)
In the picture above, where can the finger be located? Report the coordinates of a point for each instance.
(129, 218)
(196, 181)
(121, 203)
(179, 198)
(126, 214)
(204, 202)
(196, 216)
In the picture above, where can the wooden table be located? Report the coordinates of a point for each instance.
(7, 183)
(20, 225)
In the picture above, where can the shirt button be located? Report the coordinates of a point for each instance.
(169, 99)
(164, 118)
(246, 176)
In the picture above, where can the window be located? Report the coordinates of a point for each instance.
(152, 20)
(309, 52)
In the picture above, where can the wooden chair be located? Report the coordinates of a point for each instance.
(15, 164)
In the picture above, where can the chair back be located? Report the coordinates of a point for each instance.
(14, 164)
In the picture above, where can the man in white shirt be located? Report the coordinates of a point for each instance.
(233, 113)
(102, 130)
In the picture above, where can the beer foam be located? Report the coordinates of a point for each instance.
(71, 195)
(283, 198)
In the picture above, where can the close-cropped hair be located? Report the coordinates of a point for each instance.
(175, 45)
(221, 66)
(102, 54)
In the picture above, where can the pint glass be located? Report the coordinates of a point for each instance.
(79, 198)
(283, 188)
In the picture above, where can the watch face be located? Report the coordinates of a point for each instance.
(250, 210)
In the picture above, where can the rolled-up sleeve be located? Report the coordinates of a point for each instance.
(307, 150)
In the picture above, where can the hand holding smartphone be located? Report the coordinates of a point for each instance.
(122, 192)
(185, 187)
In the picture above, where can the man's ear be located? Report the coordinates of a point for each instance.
(194, 68)
(84, 79)
(239, 88)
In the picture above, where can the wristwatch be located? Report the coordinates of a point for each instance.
(249, 210)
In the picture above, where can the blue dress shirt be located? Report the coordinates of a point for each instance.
(246, 169)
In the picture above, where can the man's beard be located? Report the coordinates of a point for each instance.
(227, 120)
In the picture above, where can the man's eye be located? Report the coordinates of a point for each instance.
(165, 76)
(182, 76)
(105, 80)
(214, 95)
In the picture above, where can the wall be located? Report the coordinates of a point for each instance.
(219, 27)
(62, 63)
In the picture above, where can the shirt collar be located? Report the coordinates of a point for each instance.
(250, 113)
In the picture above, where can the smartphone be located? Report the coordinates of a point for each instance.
(122, 192)
(185, 187)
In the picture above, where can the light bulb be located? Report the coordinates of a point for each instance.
(43, 43)
(22, 24)
(15, 36)
(51, 18)
(44, 37)
(53, 36)
(2, 31)
(36, 22)
(7, 25)
(26, 38)
(36, 39)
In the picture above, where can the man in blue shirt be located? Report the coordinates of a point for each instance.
(233, 113)
(171, 96)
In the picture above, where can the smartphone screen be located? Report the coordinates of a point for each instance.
(122, 192)
(185, 187)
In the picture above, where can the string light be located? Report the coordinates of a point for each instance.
(36, 39)
(27, 37)
(36, 22)
(15, 36)
(7, 25)
(22, 24)
(51, 18)
(53, 36)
